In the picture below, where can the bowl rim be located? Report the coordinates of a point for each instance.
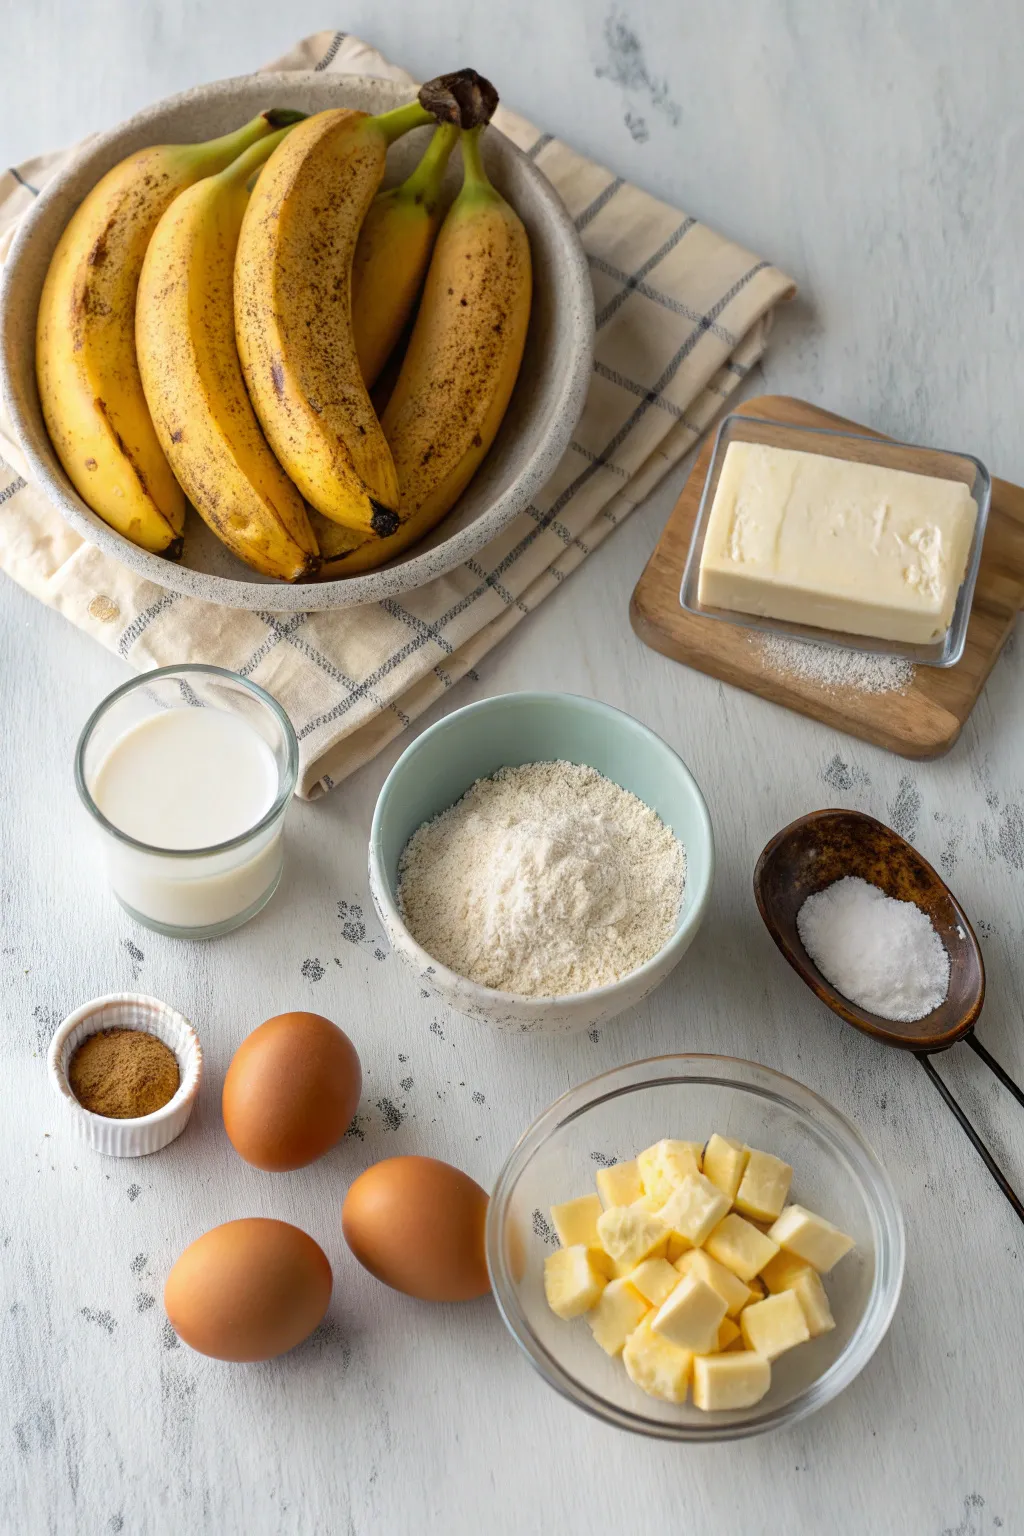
(451, 980)
(881, 1201)
(342, 592)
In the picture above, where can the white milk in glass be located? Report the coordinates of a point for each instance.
(186, 780)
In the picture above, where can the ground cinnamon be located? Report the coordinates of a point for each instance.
(123, 1073)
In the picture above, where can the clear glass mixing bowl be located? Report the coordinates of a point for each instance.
(614, 1117)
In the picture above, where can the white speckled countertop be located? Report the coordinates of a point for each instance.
(873, 152)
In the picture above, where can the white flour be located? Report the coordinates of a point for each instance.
(543, 880)
(833, 668)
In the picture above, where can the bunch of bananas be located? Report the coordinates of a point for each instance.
(215, 316)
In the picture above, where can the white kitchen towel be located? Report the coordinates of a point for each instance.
(682, 314)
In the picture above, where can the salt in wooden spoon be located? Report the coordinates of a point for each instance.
(825, 846)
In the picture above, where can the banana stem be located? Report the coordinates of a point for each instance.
(423, 185)
(230, 145)
(476, 177)
(402, 120)
(254, 157)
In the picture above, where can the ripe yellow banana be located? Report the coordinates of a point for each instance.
(88, 377)
(185, 337)
(293, 315)
(393, 253)
(459, 370)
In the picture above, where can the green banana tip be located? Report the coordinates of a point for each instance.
(284, 117)
(462, 97)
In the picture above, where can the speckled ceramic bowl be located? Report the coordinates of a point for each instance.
(545, 406)
(437, 769)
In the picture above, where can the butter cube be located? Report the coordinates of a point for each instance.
(728, 1335)
(863, 548)
(620, 1184)
(736, 1380)
(576, 1221)
(763, 1187)
(620, 1309)
(691, 1316)
(654, 1279)
(732, 1290)
(810, 1293)
(810, 1237)
(724, 1162)
(657, 1367)
(774, 1325)
(664, 1166)
(572, 1283)
(630, 1236)
(758, 1289)
(740, 1246)
(779, 1274)
(694, 1209)
(645, 1203)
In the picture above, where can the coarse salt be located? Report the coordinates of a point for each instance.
(882, 954)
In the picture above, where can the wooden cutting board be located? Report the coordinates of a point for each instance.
(923, 721)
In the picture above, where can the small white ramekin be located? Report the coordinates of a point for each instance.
(128, 1010)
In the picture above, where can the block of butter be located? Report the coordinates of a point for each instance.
(859, 548)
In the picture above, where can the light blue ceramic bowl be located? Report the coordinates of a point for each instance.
(438, 767)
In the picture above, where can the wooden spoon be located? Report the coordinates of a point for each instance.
(824, 847)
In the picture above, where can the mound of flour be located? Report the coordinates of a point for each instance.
(543, 880)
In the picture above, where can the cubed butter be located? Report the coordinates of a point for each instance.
(763, 1187)
(694, 1209)
(691, 1316)
(733, 1291)
(576, 1221)
(841, 545)
(572, 1282)
(810, 1237)
(658, 1367)
(620, 1184)
(665, 1165)
(774, 1325)
(728, 1334)
(779, 1274)
(654, 1279)
(738, 1379)
(724, 1162)
(630, 1235)
(620, 1309)
(810, 1293)
(646, 1203)
(740, 1246)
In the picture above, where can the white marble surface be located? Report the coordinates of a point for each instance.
(874, 151)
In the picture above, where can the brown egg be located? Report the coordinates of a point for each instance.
(248, 1290)
(291, 1091)
(418, 1225)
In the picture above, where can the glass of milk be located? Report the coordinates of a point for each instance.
(188, 772)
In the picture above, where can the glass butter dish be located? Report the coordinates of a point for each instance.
(858, 448)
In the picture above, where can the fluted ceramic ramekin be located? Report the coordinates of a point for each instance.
(128, 1010)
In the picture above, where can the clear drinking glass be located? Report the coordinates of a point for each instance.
(617, 1115)
(191, 893)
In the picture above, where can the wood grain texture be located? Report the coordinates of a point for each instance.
(873, 152)
(925, 720)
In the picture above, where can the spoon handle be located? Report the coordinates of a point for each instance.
(979, 1146)
(990, 1062)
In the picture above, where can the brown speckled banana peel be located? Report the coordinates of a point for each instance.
(193, 383)
(89, 383)
(393, 253)
(459, 371)
(293, 317)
